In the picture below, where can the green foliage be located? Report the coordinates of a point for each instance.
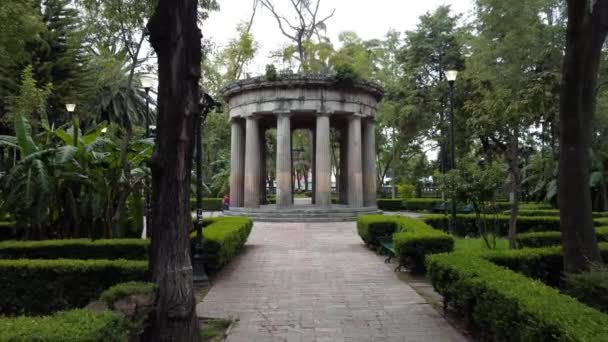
(503, 305)
(553, 212)
(131, 249)
(544, 239)
(75, 325)
(223, 239)
(124, 290)
(412, 238)
(406, 191)
(389, 204)
(466, 224)
(271, 72)
(31, 102)
(590, 287)
(422, 204)
(62, 283)
(345, 75)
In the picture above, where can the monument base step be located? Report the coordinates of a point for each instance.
(269, 213)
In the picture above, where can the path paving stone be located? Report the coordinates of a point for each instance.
(318, 282)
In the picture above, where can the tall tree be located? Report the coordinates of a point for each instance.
(585, 38)
(176, 38)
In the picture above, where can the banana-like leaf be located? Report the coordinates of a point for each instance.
(23, 131)
(65, 154)
(67, 138)
(7, 140)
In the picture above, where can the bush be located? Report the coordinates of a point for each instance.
(552, 212)
(45, 286)
(209, 204)
(123, 290)
(544, 239)
(133, 249)
(466, 223)
(590, 287)
(406, 191)
(415, 240)
(389, 204)
(223, 239)
(8, 231)
(421, 204)
(502, 305)
(412, 239)
(75, 325)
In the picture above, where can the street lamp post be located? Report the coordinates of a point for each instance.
(451, 77)
(147, 83)
(71, 108)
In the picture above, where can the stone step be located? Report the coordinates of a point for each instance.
(303, 215)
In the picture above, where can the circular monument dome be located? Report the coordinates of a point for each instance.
(342, 187)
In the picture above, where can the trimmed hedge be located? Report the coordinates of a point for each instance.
(75, 325)
(122, 290)
(209, 204)
(412, 238)
(465, 223)
(552, 212)
(502, 305)
(223, 239)
(132, 249)
(544, 239)
(389, 204)
(421, 204)
(45, 286)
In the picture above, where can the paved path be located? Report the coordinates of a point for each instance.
(318, 282)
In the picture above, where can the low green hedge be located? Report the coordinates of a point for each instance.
(223, 239)
(502, 305)
(45, 286)
(209, 204)
(68, 326)
(544, 239)
(421, 204)
(389, 204)
(122, 290)
(133, 249)
(8, 231)
(466, 223)
(551, 212)
(412, 238)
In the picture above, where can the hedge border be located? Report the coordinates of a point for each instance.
(545, 239)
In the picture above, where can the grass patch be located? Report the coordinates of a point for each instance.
(214, 329)
(478, 245)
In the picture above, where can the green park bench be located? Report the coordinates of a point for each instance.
(386, 242)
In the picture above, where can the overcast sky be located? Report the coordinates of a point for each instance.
(369, 19)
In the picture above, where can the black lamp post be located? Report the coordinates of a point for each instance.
(71, 108)
(147, 83)
(451, 77)
(198, 265)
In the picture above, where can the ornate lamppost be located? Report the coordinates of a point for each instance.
(71, 108)
(451, 77)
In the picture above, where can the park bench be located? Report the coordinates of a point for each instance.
(386, 242)
(445, 207)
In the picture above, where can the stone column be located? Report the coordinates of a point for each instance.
(323, 163)
(284, 180)
(343, 181)
(263, 170)
(369, 163)
(355, 172)
(313, 166)
(237, 163)
(252, 163)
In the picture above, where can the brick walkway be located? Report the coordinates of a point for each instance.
(318, 282)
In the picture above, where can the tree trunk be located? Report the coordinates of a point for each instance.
(585, 37)
(177, 41)
(513, 161)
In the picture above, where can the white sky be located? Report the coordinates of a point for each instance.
(369, 19)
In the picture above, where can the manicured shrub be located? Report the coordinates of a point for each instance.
(223, 239)
(389, 204)
(421, 204)
(590, 287)
(8, 231)
(415, 240)
(45, 286)
(75, 325)
(534, 206)
(412, 238)
(371, 228)
(466, 223)
(131, 288)
(544, 239)
(133, 249)
(551, 212)
(502, 305)
(209, 204)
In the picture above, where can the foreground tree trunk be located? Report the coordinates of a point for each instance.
(177, 41)
(587, 27)
(512, 154)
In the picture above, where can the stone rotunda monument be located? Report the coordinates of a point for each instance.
(310, 102)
